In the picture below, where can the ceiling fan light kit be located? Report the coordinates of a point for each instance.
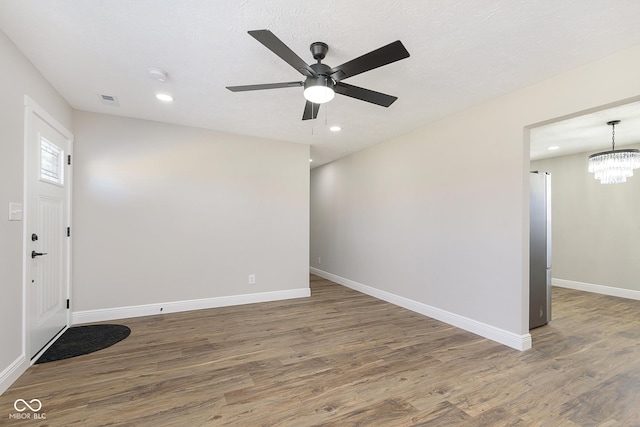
(323, 82)
(614, 166)
(319, 90)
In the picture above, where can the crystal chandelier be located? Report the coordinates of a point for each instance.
(615, 166)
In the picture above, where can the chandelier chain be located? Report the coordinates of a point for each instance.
(613, 137)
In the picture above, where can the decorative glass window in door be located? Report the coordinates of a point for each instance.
(51, 162)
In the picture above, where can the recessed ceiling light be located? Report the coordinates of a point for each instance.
(553, 147)
(310, 160)
(164, 97)
(335, 128)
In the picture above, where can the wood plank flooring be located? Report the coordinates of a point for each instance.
(341, 358)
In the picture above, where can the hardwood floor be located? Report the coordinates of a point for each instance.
(341, 358)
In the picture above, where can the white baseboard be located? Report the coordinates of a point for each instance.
(597, 289)
(13, 372)
(518, 342)
(115, 313)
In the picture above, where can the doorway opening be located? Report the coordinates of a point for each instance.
(595, 245)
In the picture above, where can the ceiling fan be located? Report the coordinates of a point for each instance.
(323, 82)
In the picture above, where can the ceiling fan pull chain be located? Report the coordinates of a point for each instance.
(326, 114)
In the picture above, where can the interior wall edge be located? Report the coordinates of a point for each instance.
(501, 336)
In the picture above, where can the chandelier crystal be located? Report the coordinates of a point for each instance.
(615, 166)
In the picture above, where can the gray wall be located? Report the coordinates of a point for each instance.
(17, 79)
(440, 216)
(169, 213)
(596, 227)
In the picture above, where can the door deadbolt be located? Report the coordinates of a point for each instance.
(34, 237)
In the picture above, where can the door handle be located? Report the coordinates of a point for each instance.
(35, 254)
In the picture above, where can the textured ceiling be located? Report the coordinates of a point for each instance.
(462, 53)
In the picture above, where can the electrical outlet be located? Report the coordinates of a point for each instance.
(252, 279)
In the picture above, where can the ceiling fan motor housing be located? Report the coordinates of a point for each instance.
(323, 76)
(321, 80)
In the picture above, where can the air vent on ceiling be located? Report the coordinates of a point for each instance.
(109, 100)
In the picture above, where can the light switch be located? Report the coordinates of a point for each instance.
(15, 211)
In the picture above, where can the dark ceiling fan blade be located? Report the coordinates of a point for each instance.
(310, 110)
(275, 45)
(264, 86)
(364, 94)
(377, 58)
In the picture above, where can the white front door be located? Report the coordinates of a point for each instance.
(48, 194)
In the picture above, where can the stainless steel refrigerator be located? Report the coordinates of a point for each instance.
(540, 250)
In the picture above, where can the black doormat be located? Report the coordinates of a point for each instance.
(80, 340)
